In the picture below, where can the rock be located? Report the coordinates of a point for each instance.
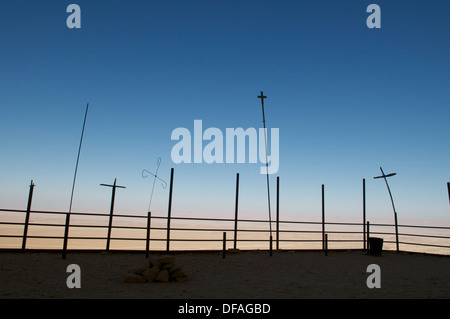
(134, 278)
(139, 269)
(174, 269)
(178, 273)
(154, 263)
(162, 269)
(234, 251)
(151, 273)
(163, 276)
(166, 259)
(168, 266)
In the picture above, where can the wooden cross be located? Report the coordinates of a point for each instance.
(389, 190)
(392, 201)
(262, 97)
(113, 196)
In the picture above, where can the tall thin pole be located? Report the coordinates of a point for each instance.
(66, 230)
(236, 211)
(364, 213)
(323, 217)
(262, 97)
(278, 212)
(169, 213)
(27, 218)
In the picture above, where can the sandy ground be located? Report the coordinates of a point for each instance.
(250, 274)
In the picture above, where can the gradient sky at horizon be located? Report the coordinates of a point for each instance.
(347, 99)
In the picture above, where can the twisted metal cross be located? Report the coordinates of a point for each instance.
(163, 183)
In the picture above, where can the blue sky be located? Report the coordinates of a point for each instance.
(347, 99)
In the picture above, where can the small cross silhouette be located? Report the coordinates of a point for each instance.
(262, 97)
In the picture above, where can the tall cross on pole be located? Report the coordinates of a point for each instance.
(262, 97)
(384, 176)
(113, 196)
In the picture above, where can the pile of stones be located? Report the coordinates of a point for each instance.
(161, 269)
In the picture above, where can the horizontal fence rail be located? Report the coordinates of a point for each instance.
(290, 234)
(156, 233)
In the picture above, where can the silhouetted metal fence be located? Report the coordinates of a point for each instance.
(328, 236)
(283, 236)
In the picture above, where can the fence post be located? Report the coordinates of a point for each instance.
(326, 244)
(323, 216)
(169, 212)
(396, 232)
(368, 238)
(278, 212)
(224, 248)
(270, 248)
(66, 235)
(27, 217)
(236, 211)
(364, 214)
(147, 244)
(448, 188)
(111, 212)
(108, 240)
